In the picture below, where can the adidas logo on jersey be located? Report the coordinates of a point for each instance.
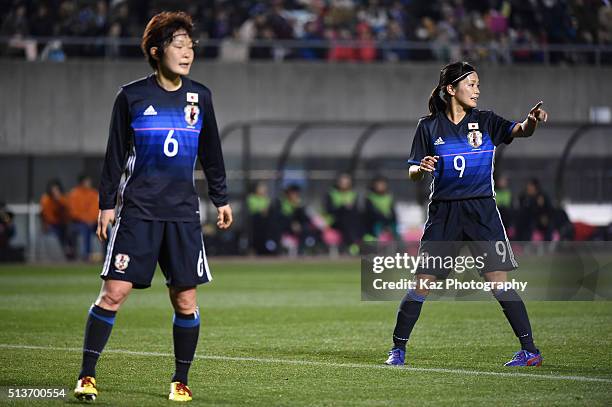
(438, 141)
(150, 111)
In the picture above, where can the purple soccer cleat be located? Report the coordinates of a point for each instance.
(524, 358)
(396, 357)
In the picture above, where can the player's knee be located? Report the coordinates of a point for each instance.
(185, 305)
(111, 299)
(421, 292)
(507, 296)
(496, 276)
(423, 284)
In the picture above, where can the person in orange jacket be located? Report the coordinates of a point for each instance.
(54, 214)
(83, 210)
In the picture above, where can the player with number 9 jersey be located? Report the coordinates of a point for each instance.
(466, 151)
(456, 144)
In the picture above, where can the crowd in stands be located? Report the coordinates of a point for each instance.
(502, 31)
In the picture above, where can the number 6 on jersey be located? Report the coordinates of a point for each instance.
(459, 164)
(171, 145)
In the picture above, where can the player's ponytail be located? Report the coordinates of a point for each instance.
(436, 103)
(450, 74)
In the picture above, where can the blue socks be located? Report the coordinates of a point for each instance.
(97, 331)
(516, 313)
(185, 331)
(407, 316)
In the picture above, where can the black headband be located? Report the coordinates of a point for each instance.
(443, 91)
(462, 76)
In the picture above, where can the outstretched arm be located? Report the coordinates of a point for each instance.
(528, 126)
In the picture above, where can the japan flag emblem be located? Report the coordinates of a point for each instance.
(192, 97)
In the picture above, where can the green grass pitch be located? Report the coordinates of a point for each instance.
(297, 334)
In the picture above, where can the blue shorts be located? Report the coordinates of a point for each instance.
(137, 245)
(473, 222)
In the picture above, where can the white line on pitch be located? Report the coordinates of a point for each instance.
(328, 364)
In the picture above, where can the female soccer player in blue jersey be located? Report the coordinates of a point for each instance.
(456, 144)
(160, 126)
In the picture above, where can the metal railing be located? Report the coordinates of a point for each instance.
(118, 47)
(365, 131)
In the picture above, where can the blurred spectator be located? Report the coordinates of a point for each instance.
(604, 17)
(8, 253)
(297, 231)
(262, 32)
(15, 25)
(278, 22)
(340, 48)
(312, 33)
(366, 49)
(343, 214)
(379, 212)
(340, 13)
(535, 213)
(234, 49)
(54, 214)
(83, 209)
(42, 25)
(261, 219)
(374, 15)
(425, 33)
(395, 34)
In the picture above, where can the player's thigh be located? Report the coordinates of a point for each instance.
(487, 237)
(441, 239)
(182, 255)
(133, 251)
(444, 222)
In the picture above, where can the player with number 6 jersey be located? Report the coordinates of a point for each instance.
(456, 144)
(160, 126)
(162, 133)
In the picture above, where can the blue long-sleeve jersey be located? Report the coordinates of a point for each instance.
(155, 138)
(466, 150)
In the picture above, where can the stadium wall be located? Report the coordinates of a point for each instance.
(51, 108)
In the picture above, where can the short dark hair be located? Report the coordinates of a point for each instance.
(159, 31)
(293, 188)
(54, 182)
